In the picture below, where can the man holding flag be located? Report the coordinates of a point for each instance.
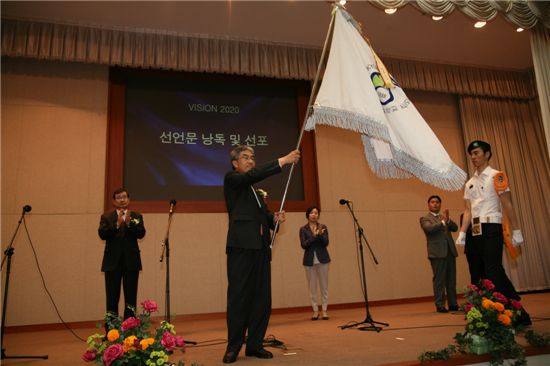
(248, 252)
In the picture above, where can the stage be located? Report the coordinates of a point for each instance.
(413, 329)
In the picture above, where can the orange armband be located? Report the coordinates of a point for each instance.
(501, 182)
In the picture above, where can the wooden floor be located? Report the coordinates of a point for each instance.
(413, 328)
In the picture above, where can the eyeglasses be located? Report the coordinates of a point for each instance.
(248, 157)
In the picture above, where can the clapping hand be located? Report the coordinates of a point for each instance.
(319, 231)
(280, 216)
(445, 215)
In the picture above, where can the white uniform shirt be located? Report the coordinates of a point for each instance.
(480, 191)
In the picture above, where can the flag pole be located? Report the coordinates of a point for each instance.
(314, 90)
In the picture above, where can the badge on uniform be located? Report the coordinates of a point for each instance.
(501, 182)
(476, 227)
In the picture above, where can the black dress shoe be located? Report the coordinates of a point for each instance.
(230, 357)
(315, 317)
(441, 309)
(453, 308)
(261, 353)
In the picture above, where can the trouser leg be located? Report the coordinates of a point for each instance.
(322, 271)
(130, 286)
(438, 280)
(311, 275)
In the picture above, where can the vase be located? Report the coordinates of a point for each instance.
(479, 345)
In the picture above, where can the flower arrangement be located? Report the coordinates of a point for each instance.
(492, 321)
(130, 342)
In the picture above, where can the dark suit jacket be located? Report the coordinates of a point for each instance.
(438, 236)
(314, 244)
(121, 245)
(247, 219)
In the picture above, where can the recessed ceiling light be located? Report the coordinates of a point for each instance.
(342, 2)
(480, 24)
(520, 29)
(437, 17)
(390, 10)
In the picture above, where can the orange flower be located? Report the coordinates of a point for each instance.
(113, 335)
(486, 303)
(508, 313)
(504, 319)
(145, 343)
(129, 343)
(498, 306)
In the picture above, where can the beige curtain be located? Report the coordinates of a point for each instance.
(525, 14)
(540, 48)
(155, 49)
(126, 47)
(515, 133)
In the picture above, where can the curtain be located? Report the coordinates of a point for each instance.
(515, 133)
(123, 47)
(153, 49)
(525, 14)
(540, 48)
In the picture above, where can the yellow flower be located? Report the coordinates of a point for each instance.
(145, 343)
(113, 335)
(128, 343)
(498, 306)
(504, 319)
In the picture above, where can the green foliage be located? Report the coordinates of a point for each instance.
(537, 340)
(443, 354)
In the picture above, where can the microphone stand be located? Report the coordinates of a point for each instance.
(370, 324)
(166, 249)
(8, 254)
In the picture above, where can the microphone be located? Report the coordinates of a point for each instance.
(172, 205)
(27, 208)
(344, 202)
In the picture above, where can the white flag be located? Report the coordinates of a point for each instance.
(398, 142)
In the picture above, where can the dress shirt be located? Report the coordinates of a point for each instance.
(480, 191)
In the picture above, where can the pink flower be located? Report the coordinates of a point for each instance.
(89, 356)
(168, 341)
(516, 304)
(149, 306)
(473, 287)
(500, 297)
(112, 353)
(179, 341)
(467, 307)
(130, 323)
(487, 284)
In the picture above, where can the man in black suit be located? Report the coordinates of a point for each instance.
(121, 228)
(441, 253)
(248, 252)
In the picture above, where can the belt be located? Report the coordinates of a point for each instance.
(489, 219)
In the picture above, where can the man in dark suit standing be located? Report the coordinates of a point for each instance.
(121, 228)
(248, 252)
(441, 253)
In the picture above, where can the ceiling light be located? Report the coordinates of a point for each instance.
(437, 17)
(390, 10)
(520, 29)
(480, 24)
(342, 2)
